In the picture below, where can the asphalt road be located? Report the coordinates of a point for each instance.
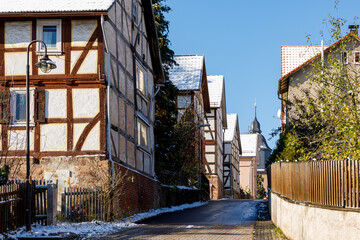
(221, 212)
(230, 219)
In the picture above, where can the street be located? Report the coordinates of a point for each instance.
(222, 219)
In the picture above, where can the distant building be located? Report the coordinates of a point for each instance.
(189, 76)
(232, 151)
(255, 153)
(214, 150)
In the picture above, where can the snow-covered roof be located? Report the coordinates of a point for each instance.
(248, 144)
(215, 85)
(231, 127)
(187, 74)
(294, 56)
(19, 6)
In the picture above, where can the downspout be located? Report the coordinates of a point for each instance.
(108, 128)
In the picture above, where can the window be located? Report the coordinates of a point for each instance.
(18, 105)
(49, 31)
(140, 79)
(143, 134)
(344, 57)
(357, 57)
(134, 12)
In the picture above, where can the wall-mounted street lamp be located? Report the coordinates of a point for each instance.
(200, 126)
(45, 65)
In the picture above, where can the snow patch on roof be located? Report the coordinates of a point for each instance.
(294, 56)
(215, 86)
(231, 127)
(248, 144)
(187, 74)
(19, 6)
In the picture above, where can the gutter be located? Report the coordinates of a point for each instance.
(108, 114)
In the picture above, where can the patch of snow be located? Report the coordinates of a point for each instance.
(94, 228)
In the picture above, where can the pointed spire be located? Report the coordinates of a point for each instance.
(255, 125)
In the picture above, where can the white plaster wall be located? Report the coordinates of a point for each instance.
(60, 65)
(74, 57)
(92, 141)
(55, 103)
(53, 137)
(82, 31)
(17, 34)
(78, 129)
(15, 63)
(209, 148)
(85, 102)
(17, 140)
(210, 158)
(90, 63)
(300, 222)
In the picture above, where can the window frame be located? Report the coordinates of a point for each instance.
(347, 57)
(356, 52)
(13, 93)
(140, 124)
(140, 67)
(39, 35)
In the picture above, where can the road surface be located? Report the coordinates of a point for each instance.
(222, 219)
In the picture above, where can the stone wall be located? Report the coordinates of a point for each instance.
(216, 187)
(300, 221)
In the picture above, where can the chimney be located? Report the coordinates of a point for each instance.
(354, 29)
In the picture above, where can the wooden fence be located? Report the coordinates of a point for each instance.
(12, 206)
(84, 204)
(332, 183)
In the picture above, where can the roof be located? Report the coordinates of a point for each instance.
(294, 56)
(249, 144)
(216, 88)
(231, 127)
(284, 82)
(187, 73)
(38, 6)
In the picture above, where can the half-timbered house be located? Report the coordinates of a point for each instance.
(189, 76)
(95, 111)
(232, 151)
(214, 136)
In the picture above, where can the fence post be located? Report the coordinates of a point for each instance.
(51, 203)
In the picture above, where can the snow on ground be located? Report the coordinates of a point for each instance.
(94, 228)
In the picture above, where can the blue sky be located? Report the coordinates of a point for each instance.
(241, 40)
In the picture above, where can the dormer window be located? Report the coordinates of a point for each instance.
(49, 30)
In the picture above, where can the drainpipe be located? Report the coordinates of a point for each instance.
(108, 102)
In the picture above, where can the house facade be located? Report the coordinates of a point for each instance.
(294, 80)
(92, 117)
(214, 135)
(232, 151)
(189, 76)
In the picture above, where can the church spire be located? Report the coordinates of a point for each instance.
(255, 125)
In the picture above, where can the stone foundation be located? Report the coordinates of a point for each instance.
(216, 187)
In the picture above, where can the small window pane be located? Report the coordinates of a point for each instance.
(20, 107)
(345, 57)
(140, 80)
(49, 36)
(357, 57)
(143, 135)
